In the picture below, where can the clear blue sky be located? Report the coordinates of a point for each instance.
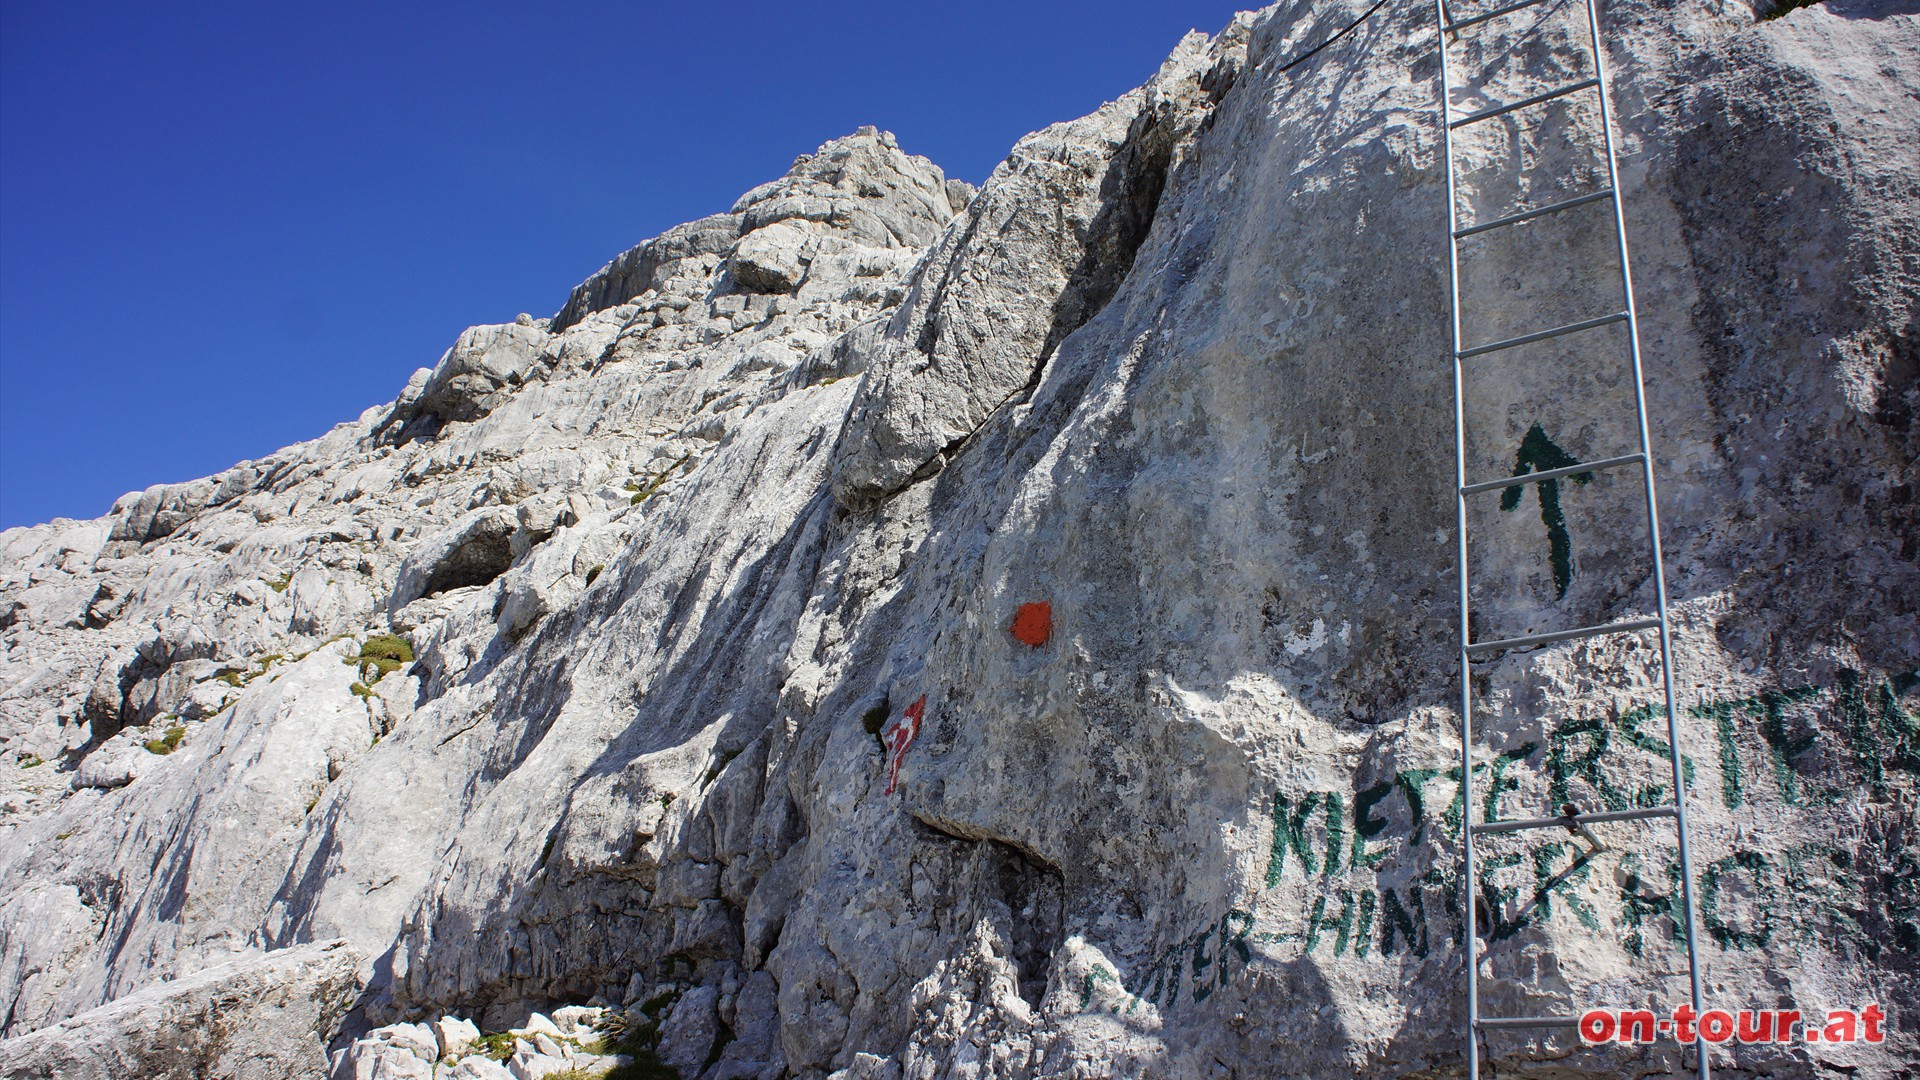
(224, 228)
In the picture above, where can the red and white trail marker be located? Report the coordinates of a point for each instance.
(899, 736)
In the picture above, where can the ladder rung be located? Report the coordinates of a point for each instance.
(1476, 20)
(1501, 110)
(1528, 215)
(1552, 474)
(1542, 335)
(1518, 824)
(1562, 635)
(1497, 1022)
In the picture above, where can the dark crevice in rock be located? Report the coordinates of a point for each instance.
(103, 608)
(956, 255)
(1130, 197)
(1130, 193)
(1899, 406)
(403, 425)
(1036, 896)
(110, 709)
(1034, 893)
(478, 561)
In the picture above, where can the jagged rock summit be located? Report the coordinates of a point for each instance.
(893, 630)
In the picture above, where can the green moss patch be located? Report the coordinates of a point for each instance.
(638, 1041)
(382, 653)
(168, 743)
(498, 1046)
(720, 764)
(642, 494)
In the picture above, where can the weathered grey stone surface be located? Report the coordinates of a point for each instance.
(716, 714)
(1037, 254)
(263, 1018)
(465, 383)
(452, 1035)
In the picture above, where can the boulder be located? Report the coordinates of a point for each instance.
(577, 1020)
(258, 1018)
(373, 1059)
(771, 259)
(452, 1036)
(530, 1064)
(538, 1024)
(160, 510)
(416, 1039)
(475, 1067)
(484, 359)
(691, 1030)
(114, 763)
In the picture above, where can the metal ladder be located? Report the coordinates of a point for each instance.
(1449, 28)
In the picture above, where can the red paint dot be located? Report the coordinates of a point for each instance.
(1033, 623)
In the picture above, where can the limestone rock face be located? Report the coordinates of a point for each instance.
(1030, 260)
(851, 201)
(258, 1019)
(467, 554)
(486, 358)
(715, 719)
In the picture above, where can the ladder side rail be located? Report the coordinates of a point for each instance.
(1469, 910)
(1653, 535)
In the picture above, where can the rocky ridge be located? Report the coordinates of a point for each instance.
(656, 656)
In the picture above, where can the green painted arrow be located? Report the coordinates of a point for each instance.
(1539, 452)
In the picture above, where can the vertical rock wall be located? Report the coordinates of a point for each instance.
(706, 586)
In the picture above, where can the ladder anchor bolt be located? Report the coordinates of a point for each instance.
(1570, 817)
